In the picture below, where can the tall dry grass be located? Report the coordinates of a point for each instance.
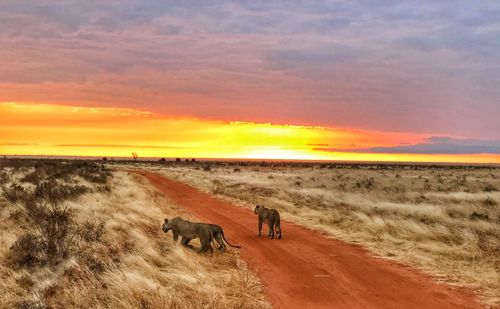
(444, 221)
(117, 255)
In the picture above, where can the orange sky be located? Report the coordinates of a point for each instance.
(42, 129)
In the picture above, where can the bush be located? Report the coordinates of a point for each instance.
(51, 241)
(4, 178)
(50, 170)
(489, 202)
(31, 304)
(14, 193)
(366, 183)
(55, 226)
(16, 215)
(55, 193)
(28, 250)
(217, 187)
(91, 231)
(488, 187)
(94, 263)
(34, 177)
(479, 216)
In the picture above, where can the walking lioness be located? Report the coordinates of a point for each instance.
(271, 217)
(189, 231)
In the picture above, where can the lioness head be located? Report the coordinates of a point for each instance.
(257, 208)
(167, 225)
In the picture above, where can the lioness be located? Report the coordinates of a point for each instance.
(271, 217)
(188, 231)
(220, 238)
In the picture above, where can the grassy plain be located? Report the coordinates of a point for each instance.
(77, 235)
(444, 220)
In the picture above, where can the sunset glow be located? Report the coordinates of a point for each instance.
(316, 80)
(41, 129)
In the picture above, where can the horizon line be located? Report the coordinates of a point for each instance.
(188, 159)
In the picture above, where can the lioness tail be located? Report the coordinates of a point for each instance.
(235, 246)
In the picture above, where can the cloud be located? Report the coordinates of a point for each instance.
(122, 146)
(377, 65)
(319, 58)
(18, 144)
(434, 145)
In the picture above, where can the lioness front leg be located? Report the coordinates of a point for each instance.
(185, 243)
(176, 237)
(260, 227)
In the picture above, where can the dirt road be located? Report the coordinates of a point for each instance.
(308, 270)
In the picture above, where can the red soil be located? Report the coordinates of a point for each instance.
(305, 269)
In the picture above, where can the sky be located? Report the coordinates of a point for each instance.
(333, 80)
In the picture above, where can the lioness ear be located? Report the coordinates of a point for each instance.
(166, 220)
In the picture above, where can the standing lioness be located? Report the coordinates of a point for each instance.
(269, 216)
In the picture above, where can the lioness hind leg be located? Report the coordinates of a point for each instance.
(271, 229)
(278, 230)
(222, 246)
(206, 247)
(206, 238)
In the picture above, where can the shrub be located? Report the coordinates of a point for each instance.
(55, 226)
(479, 216)
(34, 177)
(366, 183)
(16, 215)
(31, 304)
(217, 187)
(14, 193)
(4, 178)
(51, 241)
(55, 193)
(28, 250)
(489, 202)
(91, 231)
(488, 187)
(95, 264)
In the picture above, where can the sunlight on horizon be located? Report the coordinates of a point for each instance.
(44, 129)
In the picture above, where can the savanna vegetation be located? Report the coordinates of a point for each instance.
(442, 219)
(76, 234)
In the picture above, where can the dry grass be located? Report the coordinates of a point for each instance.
(445, 221)
(115, 254)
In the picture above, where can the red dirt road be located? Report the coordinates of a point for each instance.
(308, 270)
